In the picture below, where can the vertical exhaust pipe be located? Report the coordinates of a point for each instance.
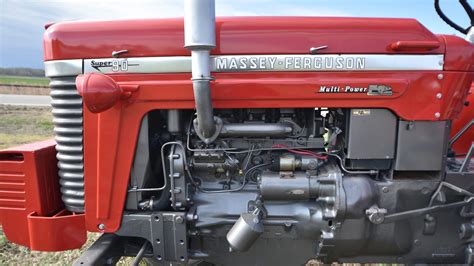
(200, 39)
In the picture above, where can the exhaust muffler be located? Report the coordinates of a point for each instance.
(200, 39)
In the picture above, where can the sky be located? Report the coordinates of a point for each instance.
(22, 21)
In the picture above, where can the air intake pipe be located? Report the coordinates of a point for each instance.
(200, 39)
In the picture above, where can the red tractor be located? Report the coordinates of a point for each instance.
(262, 141)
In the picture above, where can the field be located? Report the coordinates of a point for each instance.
(19, 125)
(28, 81)
(23, 85)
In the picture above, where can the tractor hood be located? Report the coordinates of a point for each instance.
(242, 35)
(258, 36)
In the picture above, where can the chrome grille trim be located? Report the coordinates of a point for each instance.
(68, 128)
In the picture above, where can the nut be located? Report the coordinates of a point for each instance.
(179, 219)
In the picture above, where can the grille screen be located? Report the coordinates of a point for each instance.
(67, 118)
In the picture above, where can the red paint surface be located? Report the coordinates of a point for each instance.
(31, 210)
(459, 54)
(464, 142)
(236, 35)
(99, 92)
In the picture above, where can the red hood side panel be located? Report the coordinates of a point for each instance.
(464, 142)
(459, 54)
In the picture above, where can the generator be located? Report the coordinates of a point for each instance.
(250, 141)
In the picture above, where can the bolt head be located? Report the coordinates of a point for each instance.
(385, 189)
(101, 226)
(439, 95)
(440, 76)
(378, 219)
(437, 115)
(179, 219)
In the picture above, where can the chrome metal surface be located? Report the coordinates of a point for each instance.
(118, 53)
(61, 68)
(314, 50)
(67, 119)
(244, 232)
(233, 63)
(199, 24)
(200, 39)
(246, 63)
(256, 130)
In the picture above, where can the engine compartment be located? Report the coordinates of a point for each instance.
(291, 178)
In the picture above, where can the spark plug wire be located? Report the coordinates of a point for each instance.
(301, 151)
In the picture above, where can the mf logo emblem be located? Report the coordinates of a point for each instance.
(380, 90)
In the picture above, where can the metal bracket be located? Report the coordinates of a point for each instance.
(419, 212)
(377, 216)
(179, 189)
(166, 231)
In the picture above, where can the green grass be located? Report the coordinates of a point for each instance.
(19, 125)
(17, 80)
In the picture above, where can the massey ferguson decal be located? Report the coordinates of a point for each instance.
(269, 63)
(372, 90)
